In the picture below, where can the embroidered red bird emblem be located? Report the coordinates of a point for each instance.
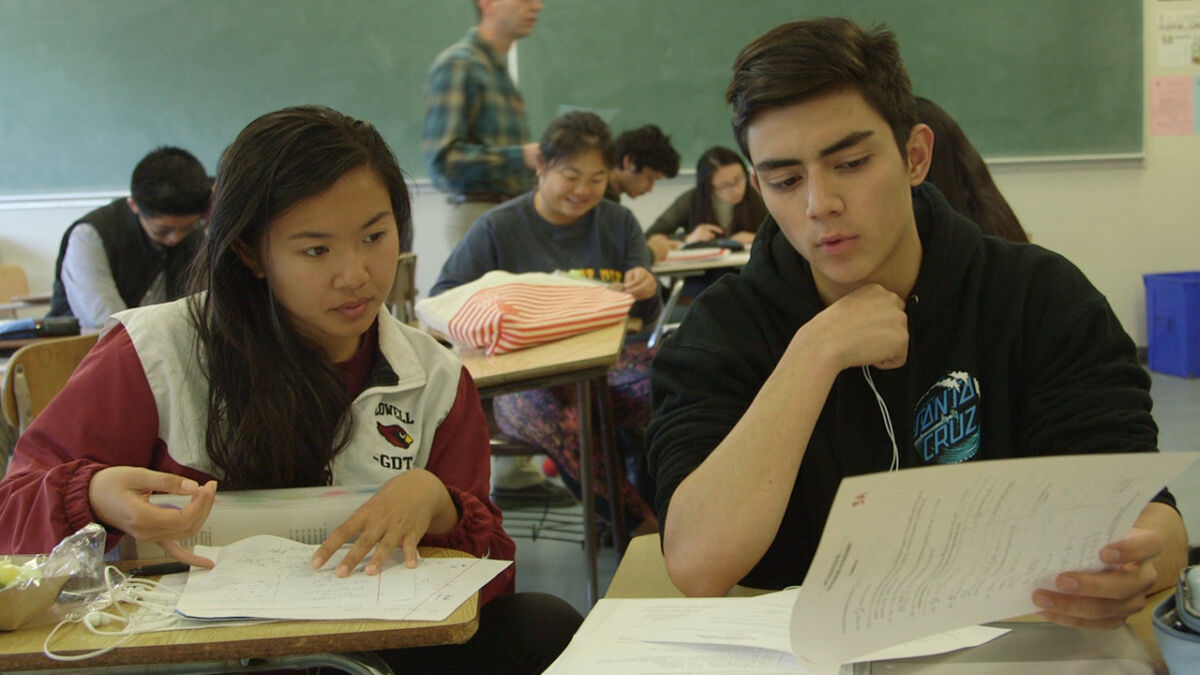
(394, 434)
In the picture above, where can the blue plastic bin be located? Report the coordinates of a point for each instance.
(1173, 322)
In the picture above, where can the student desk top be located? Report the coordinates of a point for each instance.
(642, 573)
(680, 270)
(22, 649)
(582, 360)
(562, 361)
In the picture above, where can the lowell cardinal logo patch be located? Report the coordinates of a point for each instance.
(394, 434)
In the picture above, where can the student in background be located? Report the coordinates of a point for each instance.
(566, 224)
(284, 372)
(134, 251)
(960, 174)
(475, 138)
(866, 300)
(720, 206)
(644, 156)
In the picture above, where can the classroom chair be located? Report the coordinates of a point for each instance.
(13, 284)
(403, 298)
(38, 371)
(531, 522)
(545, 523)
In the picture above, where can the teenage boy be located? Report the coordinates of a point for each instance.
(475, 138)
(134, 251)
(862, 280)
(644, 156)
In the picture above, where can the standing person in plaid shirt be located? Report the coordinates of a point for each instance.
(475, 138)
(478, 151)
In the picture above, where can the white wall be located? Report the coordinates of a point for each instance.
(1116, 220)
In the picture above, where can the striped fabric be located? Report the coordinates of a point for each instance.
(502, 312)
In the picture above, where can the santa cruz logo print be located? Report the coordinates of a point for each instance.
(946, 426)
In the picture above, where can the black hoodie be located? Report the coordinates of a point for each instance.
(1012, 353)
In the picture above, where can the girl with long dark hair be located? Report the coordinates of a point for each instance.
(958, 171)
(282, 371)
(722, 205)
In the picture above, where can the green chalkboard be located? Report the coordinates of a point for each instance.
(1024, 78)
(87, 87)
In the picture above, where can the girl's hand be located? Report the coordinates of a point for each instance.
(640, 283)
(399, 514)
(705, 232)
(120, 498)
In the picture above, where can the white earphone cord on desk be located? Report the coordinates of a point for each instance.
(887, 419)
(157, 612)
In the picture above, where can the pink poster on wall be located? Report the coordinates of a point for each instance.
(1171, 105)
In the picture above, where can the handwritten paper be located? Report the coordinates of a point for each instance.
(922, 551)
(271, 577)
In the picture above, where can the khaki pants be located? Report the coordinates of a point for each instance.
(462, 217)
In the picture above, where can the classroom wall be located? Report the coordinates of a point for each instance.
(1116, 221)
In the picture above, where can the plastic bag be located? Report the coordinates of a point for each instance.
(69, 581)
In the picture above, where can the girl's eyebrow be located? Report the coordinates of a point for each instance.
(313, 234)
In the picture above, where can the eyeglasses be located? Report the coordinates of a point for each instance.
(729, 185)
(161, 231)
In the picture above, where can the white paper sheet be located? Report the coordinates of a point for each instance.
(711, 635)
(608, 642)
(762, 622)
(270, 577)
(923, 551)
(148, 619)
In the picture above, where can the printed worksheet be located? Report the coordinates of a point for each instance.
(270, 577)
(922, 551)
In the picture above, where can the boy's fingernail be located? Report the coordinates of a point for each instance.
(1110, 555)
(1043, 600)
(1068, 584)
(189, 484)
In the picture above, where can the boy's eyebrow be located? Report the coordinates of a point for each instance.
(841, 144)
(309, 234)
(847, 141)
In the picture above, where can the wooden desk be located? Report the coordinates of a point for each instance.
(22, 649)
(680, 270)
(642, 573)
(583, 360)
(33, 299)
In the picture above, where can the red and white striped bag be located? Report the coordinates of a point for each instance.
(503, 312)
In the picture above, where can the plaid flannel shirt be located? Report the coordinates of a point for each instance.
(474, 122)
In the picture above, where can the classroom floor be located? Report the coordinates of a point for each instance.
(559, 567)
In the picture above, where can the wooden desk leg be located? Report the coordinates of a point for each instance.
(613, 465)
(676, 291)
(587, 487)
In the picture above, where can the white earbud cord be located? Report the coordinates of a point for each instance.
(157, 612)
(887, 419)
